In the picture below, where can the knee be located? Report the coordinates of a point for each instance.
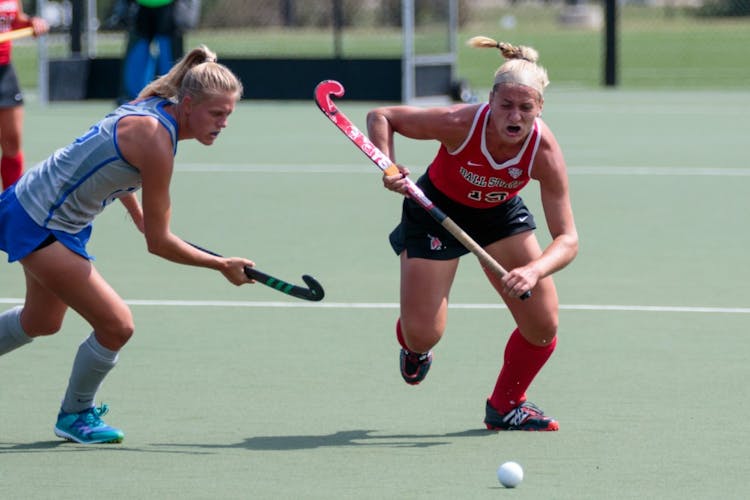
(116, 332)
(541, 334)
(419, 344)
(116, 336)
(10, 143)
(421, 336)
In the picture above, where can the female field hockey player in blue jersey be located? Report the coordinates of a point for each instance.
(45, 223)
(488, 153)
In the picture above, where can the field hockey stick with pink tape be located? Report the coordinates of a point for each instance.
(313, 292)
(323, 92)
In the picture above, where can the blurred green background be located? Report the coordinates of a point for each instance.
(691, 44)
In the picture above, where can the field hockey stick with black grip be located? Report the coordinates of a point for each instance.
(323, 92)
(313, 292)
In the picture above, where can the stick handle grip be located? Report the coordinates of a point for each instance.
(392, 170)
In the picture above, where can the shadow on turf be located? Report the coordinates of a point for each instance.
(38, 446)
(67, 446)
(269, 443)
(341, 438)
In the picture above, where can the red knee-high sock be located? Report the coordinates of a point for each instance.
(522, 362)
(400, 335)
(11, 168)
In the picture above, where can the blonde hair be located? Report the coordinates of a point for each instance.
(520, 66)
(197, 75)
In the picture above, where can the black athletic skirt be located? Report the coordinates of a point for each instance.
(422, 236)
(10, 91)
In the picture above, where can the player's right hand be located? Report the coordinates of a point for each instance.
(398, 182)
(234, 271)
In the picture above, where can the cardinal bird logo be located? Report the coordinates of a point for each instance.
(435, 243)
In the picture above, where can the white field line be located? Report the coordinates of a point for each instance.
(393, 305)
(360, 168)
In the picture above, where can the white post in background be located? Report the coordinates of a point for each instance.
(407, 59)
(430, 68)
(453, 34)
(92, 26)
(42, 83)
(59, 16)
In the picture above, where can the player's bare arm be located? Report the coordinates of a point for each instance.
(551, 172)
(448, 125)
(38, 24)
(133, 206)
(151, 152)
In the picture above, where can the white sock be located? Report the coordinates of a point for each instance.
(92, 363)
(12, 335)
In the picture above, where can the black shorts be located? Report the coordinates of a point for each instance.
(422, 236)
(10, 91)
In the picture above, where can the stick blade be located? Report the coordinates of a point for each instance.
(323, 92)
(316, 292)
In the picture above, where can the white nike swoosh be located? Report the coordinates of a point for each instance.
(521, 219)
(474, 164)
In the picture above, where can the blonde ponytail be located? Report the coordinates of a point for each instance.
(197, 75)
(520, 66)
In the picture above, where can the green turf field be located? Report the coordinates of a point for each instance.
(231, 392)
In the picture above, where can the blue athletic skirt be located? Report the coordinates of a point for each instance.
(20, 235)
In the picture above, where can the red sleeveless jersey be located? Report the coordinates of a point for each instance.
(8, 13)
(470, 176)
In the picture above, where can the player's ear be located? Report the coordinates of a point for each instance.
(187, 104)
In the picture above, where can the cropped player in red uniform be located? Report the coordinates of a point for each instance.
(12, 17)
(488, 153)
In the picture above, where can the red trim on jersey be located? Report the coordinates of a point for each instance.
(470, 175)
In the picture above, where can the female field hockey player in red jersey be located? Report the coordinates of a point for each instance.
(488, 153)
(12, 17)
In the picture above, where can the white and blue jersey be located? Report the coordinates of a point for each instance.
(62, 196)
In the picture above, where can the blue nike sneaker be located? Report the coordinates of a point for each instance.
(87, 427)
